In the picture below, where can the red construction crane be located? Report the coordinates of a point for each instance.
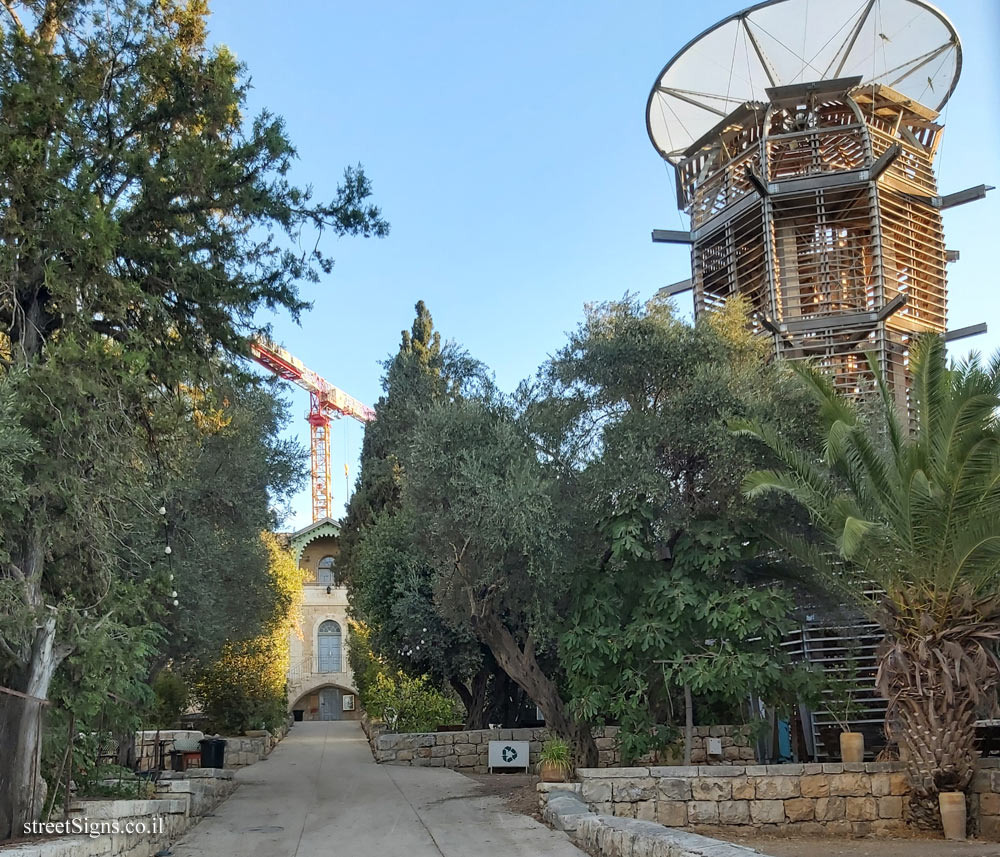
(326, 403)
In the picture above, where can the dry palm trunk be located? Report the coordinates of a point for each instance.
(937, 665)
(937, 744)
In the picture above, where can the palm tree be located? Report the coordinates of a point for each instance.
(908, 506)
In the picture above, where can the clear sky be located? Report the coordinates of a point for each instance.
(507, 146)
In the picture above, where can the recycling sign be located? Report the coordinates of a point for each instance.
(508, 754)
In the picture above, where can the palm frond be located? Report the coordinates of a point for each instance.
(833, 407)
(890, 413)
(928, 390)
(811, 479)
(852, 535)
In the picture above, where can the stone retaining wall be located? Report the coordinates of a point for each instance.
(607, 836)
(241, 750)
(467, 750)
(831, 799)
(182, 799)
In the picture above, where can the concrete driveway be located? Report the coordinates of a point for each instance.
(320, 794)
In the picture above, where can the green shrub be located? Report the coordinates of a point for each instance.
(171, 699)
(418, 705)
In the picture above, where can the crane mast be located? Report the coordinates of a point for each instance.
(326, 403)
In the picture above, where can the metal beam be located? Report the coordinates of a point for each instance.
(963, 196)
(884, 162)
(672, 236)
(760, 53)
(848, 46)
(952, 255)
(962, 332)
(675, 289)
(799, 92)
(796, 186)
(950, 200)
(676, 93)
(757, 182)
(894, 306)
(719, 220)
(767, 324)
(846, 321)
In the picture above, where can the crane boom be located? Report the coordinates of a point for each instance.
(326, 403)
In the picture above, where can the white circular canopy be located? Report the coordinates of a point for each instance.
(908, 45)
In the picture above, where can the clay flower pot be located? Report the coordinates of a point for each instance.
(952, 814)
(551, 772)
(852, 747)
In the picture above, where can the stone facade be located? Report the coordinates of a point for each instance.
(834, 799)
(467, 750)
(320, 684)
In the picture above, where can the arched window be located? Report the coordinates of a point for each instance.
(328, 647)
(326, 575)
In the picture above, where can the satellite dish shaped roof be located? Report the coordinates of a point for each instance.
(908, 45)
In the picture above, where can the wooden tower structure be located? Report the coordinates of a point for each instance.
(803, 138)
(808, 175)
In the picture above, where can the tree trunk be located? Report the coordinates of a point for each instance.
(934, 670)
(479, 712)
(522, 666)
(475, 697)
(937, 743)
(22, 798)
(464, 694)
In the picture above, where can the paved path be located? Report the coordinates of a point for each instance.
(320, 794)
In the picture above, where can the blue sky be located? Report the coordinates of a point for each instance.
(507, 146)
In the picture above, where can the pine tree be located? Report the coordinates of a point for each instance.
(388, 580)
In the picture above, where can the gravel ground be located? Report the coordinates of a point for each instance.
(518, 791)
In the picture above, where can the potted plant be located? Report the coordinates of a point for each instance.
(841, 702)
(554, 761)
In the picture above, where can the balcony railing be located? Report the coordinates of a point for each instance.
(309, 666)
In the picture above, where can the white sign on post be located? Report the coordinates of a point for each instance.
(508, 754)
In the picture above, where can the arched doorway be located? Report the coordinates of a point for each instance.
(330, 703)
(328, 648)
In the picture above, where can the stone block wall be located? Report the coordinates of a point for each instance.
(829, 799)
(734, 740)
(181, 801)
(467, 750)
(241, 751)
(607, 836)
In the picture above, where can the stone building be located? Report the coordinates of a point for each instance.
(320, 684)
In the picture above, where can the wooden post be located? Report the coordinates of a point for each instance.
(69, 767)
(688, 724)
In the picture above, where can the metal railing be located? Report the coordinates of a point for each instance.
(309, 666)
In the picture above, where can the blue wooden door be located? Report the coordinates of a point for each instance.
(328, 643)
(329, 704)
